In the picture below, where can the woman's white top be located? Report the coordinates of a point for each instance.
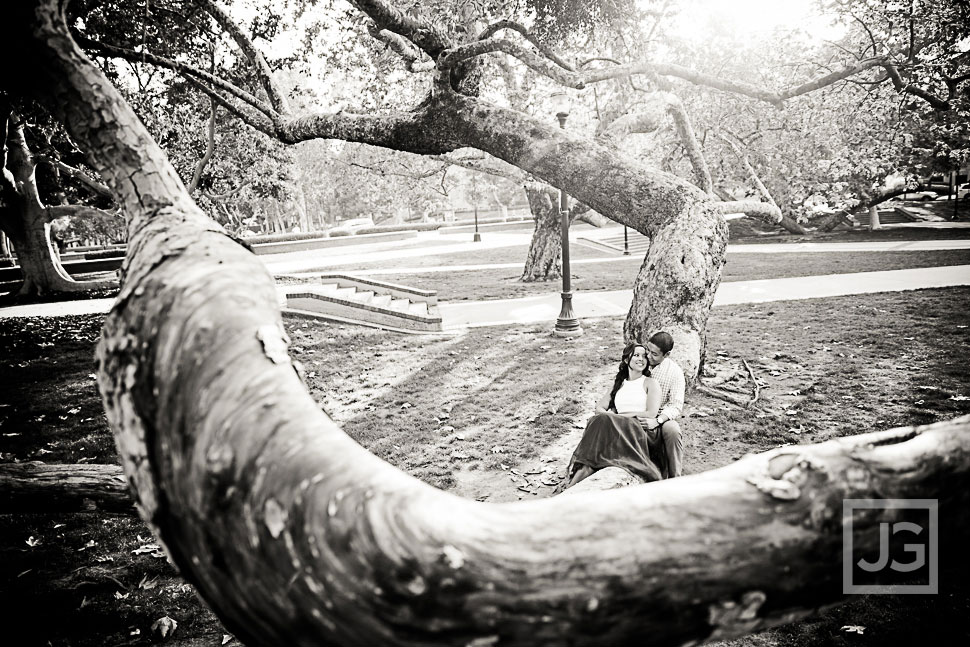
(631, 396)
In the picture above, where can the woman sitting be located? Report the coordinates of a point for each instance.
(617, 439)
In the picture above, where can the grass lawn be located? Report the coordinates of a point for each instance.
(492, 415)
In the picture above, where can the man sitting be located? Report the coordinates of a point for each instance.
(665, 437)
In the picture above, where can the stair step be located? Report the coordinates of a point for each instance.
(345, 293)
(381, 300)
(364, 296)
(400, 305)
(418, 308)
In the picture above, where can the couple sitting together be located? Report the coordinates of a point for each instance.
(635, 426)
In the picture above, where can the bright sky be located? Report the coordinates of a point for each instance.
(756, 17)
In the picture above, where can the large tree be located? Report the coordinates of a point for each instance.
(296, 535)
(29, 206)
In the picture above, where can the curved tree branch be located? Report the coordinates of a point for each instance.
(257, 120)
(263, 73)
(452, 57)
(496, 27)
(188, 71)
(210, 148)
(902, 86)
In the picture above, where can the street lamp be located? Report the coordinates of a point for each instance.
(566, 324)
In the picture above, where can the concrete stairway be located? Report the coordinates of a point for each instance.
(351, 299)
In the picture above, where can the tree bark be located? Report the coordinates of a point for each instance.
(37, 487)
(296, 535)
(544, 260)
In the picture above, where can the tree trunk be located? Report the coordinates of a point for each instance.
(36, 487)
(675, 287)
(544, 260)
(295, 535)
(873, 218)
(26, 222)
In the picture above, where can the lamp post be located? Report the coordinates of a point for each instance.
(626, 243)
(477, 238)
(566, 324)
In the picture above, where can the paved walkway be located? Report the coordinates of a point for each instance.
(309, 261)
(614, 303)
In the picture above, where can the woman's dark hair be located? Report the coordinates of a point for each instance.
(663, 341)
(622, 373)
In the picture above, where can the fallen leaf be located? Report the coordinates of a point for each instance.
(228, 637)
(853, 629)
(147, 548)
(121, 596)
(33, 541)
(91, 544)
(165, 626)
(497, 449)
(959, 398)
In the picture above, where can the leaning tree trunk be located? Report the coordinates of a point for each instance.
(296, 535)
(544, 261)
(26, 222)
(41, 268)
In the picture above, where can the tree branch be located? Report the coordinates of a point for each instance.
(80, 211)
(496, 27)
(428, 38)
(403, 48)
(902, 86)
(452, 57)
(768, 212)
(187, 71)
(702, 174)
(257, 120)
(263, 73)
(210, 148)
(79, 175)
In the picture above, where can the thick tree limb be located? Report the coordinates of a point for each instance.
(431, 40)
(35, 487)
(277, 98)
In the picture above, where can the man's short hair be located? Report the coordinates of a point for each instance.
(663, 341)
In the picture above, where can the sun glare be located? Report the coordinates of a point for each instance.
(756, 17)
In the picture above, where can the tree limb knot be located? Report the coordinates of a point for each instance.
(785, 475)
(274, 340)
(730, 618)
